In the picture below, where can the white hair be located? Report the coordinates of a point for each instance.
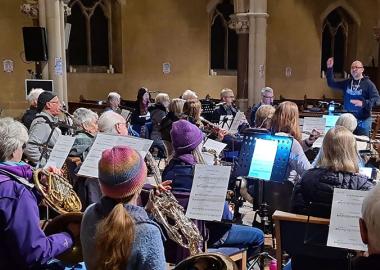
(34, 94)
(161, 98)
(266, 90)
(371, 216)
(113, 95)
(84, 116)
(348, 121)
(189, 95)
(13, 135)
(108, 120)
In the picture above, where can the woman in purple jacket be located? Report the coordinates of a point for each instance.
(23, 245)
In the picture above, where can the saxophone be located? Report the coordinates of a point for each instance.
(180, 229)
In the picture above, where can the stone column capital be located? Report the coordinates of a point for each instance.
(30, 8)
(239, 23)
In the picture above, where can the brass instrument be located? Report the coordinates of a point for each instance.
(207, 261)
(214, 127)
(165, 208)
(57, 193)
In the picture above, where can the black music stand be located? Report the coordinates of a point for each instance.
(250, 167)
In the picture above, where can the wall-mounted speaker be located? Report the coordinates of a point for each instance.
(35, 44)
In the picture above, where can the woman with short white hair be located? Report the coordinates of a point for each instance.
(86, 124)
(30, 114)
(347, 120)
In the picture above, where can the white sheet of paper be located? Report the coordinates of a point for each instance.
(208, 192)
(208, 158)
(103, 141)
(317, 123)
(300, 121)
(344, 231)
(60, 151)
(214, 145)
(367, 171)
(263, 159)
(236, 122)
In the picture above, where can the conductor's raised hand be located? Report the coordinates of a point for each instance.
(330, 62)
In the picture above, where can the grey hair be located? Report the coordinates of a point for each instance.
(113, 95)
(13, 135)
(225, 91)
(161, 98)
(371, 217)
(34, 94)
(83, 116)
(176, 106)
(266, 90)
(348, 121)
(108, 120)
(189, 95)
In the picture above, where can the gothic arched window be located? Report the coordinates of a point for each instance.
(223, 40)
(91, 44)
(336, 31)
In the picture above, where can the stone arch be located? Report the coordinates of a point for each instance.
(343, 4)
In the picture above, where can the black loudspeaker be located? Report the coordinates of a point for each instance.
(35, 44)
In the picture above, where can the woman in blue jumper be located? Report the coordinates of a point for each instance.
(23, 245)
(186, 140)
(359, 93)
(115, 232)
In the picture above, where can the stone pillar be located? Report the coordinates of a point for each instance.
(257, 49)
(42, 23)
(240, 23)
(54, 15)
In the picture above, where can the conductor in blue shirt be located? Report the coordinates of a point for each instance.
(359, 94)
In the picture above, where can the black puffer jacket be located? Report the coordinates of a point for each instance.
(317, 186)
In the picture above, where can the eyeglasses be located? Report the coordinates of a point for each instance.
(23, 146)
(356, 67)
(267, 96)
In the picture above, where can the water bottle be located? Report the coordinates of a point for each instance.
(273, 265)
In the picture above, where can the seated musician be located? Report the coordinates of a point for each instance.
(140, 118)
(23, 244)
(347, 120)
(115, 232)
(266, 99)
(175, 112)
(369, 230)
(337, 167)
(187, 143)
(157, 112)
(49, 107)
(113, 123)
(30, 113)
(86, 125)
(113, 102)
(285, 121)
(189, 95)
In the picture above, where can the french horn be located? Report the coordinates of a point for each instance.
(56, 192)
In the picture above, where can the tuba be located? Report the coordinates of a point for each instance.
(166, 210)
(57, 192)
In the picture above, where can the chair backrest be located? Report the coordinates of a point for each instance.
(305, 237)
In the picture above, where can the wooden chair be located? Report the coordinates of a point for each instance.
(291, 230)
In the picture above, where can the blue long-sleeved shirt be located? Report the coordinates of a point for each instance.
(362, 89)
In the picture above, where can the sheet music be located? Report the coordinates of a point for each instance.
(263, 159)
(367, 171)
(60, 151)
(317, 123)
(208, 192)
(214, 145)
(331, 120)
(102, 142)
(236, 122)
(208, 158)
(344, 231)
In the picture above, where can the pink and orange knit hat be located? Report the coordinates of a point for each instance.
(122, 172)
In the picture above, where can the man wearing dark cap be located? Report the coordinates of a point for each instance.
(49, 107)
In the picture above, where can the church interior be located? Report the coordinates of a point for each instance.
(202, 134)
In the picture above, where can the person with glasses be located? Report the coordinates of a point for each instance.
(266, 99)
(48, 107)
(226, 106)
(360, 94)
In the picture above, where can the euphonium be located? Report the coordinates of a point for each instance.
(57, 193)
(180, 229)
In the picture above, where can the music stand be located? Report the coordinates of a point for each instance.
(257, 166)
(225, 121)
